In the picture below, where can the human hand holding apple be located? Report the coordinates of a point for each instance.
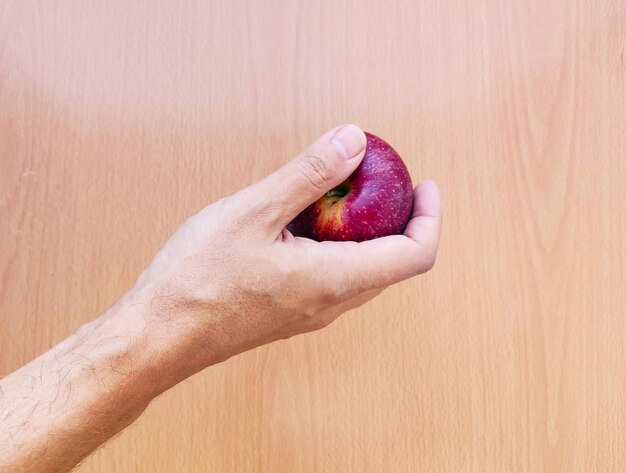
(234, 276)
(231, 278)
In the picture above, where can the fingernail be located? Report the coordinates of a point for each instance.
(350, 139)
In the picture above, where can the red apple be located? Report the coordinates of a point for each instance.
(375, 201)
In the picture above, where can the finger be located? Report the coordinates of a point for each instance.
(425, 224)
(388, 260)
(325, 164)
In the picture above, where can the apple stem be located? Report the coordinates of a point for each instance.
(336, 192)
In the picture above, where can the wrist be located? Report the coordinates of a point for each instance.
(128, 352)
(164, 344)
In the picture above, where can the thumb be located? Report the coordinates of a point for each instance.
(325, 164)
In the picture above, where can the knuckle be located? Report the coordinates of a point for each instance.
(429, 259)
(329, 297)
(425, 254)
(318, 168)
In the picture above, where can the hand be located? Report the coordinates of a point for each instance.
(232, 277)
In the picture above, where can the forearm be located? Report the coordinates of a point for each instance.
(231, 278)
(64, 404)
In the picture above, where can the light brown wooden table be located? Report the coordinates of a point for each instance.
(119, 119)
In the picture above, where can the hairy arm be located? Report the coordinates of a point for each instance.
(61, 406)
(230, 279)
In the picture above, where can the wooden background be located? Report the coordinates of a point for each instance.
(119, 119)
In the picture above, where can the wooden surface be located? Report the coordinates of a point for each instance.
(119, 119)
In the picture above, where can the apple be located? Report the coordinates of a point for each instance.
(375, 201)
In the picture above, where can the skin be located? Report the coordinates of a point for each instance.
(230, 279)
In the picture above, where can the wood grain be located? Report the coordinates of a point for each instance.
(119, 119)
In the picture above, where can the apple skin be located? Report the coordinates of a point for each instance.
(378, 200)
